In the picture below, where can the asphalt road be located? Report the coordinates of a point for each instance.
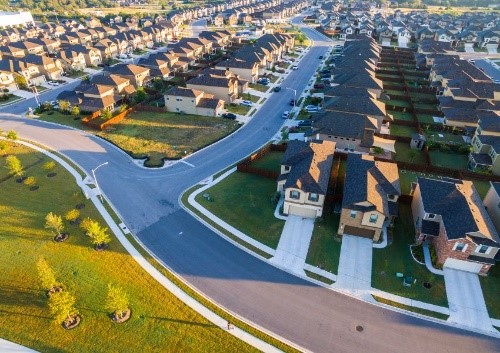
(313, 317)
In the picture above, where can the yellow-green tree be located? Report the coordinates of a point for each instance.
(62, 306)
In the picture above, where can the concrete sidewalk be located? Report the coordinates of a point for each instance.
(10, 347)
(294, 243)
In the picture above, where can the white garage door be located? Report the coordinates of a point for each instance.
(468, 266)
(302, 212)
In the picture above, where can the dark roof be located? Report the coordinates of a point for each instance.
(341, 91)
(482, 259)
(496, 186)
(430, 227)
(357, 105)
(342, 124)
(209, 103)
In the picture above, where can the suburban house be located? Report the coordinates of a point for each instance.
(449, 213)
(121, 85)
(7, 80)
(137, 75)
(485, 154)
(91, 55)
(304, 178)
(92, 97)
(223, 84)
(51, 68)
(371, 192)
(72, 60)
(192, 101)
(29, 71)
(492, 204)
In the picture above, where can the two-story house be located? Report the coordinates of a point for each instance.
(222, 84)
(137, 75)
(192, 101)
(304, 178)
(485, 154)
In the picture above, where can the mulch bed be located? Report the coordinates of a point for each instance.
(51, 175)
(124, 316)
(34, 188)
(20, 180)
(80, 206)
(72, 322)
(61, 237)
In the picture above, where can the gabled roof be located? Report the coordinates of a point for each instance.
(357, 105)
(343, 124)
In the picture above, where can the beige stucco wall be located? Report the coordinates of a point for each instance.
(303, 202)
(358, 221)
(218, 92)
(186, 105)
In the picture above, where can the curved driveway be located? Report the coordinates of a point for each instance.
(314, 317)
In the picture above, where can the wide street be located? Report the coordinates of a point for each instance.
(313, 317)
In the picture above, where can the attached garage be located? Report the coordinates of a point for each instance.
(462, 265)
(302, 211)
(359, 232)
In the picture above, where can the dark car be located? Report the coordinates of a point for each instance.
(305, 123)
(319, 86)
(229, 116)
(320, 57)
(293, 102)
(277, 89)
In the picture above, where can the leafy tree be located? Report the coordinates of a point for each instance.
(12, 135)
(98, 235)
(377, 150)
(300, 37)
(3, 145)
(46, 275)
(47, 106)
(21, 81)
(49, 165)
(158, 84)
(14, 166)
(72, 215)
(140, 95)
(30, 181)
(116, 300)
(63, 105)
(86, 224)
(54, 222)
(62, 306)
(122, 108)
(74, 110)
(106, 114)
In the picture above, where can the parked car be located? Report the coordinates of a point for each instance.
(54, 103)
(122, 56)
(285, 115)
(263, 81)
(295, 67)
(246, 103)
(53, 83)
(277, 89)
(293, 102)
(319, 85)
(311, 108)
(304, 123)
(230, 116)
(320, 57)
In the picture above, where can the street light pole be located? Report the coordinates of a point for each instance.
(95, 179)
(294, 95)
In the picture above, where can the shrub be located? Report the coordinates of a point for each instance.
(464, 149)
(14, 166)
(49, 165)
(30, 181)
(12, 135)
(72, 215)
(74, 110)
(106, 114)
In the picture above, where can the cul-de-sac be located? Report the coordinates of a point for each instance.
(249, 176)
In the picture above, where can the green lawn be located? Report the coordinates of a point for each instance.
(396, 257)
(258, 87)
(395, 93)
(12, 98)
(159, 322)
(491, 287)
(416, 95)
(401, 130)
(424, 106)
(324, 249)
(159, 135)
(446, 137)
(448, 160)
(411, 308)
(396, 103)
(406, 154)
(271, 161)
(237, 109)
(274, 78)
(401, 115)
(251, 211)
(250, 97)
(425, 119)
(60, 118)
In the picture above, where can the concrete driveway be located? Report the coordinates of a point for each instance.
(466, 301)
(355, 265)
(293, 245)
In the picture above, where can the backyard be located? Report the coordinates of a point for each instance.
(401, 130)
(156, 136)
(396, 258)
(450, 160)
(159, 322)
(405, 153)
(491, 288)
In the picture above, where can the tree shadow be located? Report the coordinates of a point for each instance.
(19, 296)
(185, 322)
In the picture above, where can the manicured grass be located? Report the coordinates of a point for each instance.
(425, 119)
(324, 249)
(317, 277)
(12, 98)
(406, 154)
(424, 106)
(396, 103)
(491, 287)
(273, 78)
(245, 201)
(237, 109)
(159, 321)
(250, 97)
(60, 118)
(416, 95)
(270, 161)
(446, 137)
(411, 308)
(390, 83)
(482, 187)
(258, 87)
(158, 135)
(448, 160)
(395, 93)
(401, 130)
(396, 257)
(77, 74)
(401, 115)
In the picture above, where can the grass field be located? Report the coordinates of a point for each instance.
(158, 135)
(448, 160)
(406, 154)
(237, 109)
(491, 287)
(159, 323)
(396, 257)
(245, 201)
(271, 161)
(258, 87)
(11, 99)
(401, 130)
(401, 115)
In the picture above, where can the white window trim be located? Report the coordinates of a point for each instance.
(488, 250)
(456, 245)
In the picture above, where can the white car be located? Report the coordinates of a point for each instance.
(295, 67)
(246, 103)
(285, 114)
(311, 108)
(53, 83)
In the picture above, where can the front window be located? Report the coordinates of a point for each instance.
(353, 214)
(373, 218)
(313, 197)
(459, 247)
(482, 249)
(294, 194)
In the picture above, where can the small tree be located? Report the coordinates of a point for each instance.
(140, 95)
(86, 225)
(48, 166)
(122, 108)
(47, 106)
(21, 81)
(46, 275)
(74, 110)
(14, 166)
(106, 114)
(12, 135)
(63, 105)
(117, 301)
(62, 306)
(30, 181)
(72, 215)
(54, 222)
(98, 235)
